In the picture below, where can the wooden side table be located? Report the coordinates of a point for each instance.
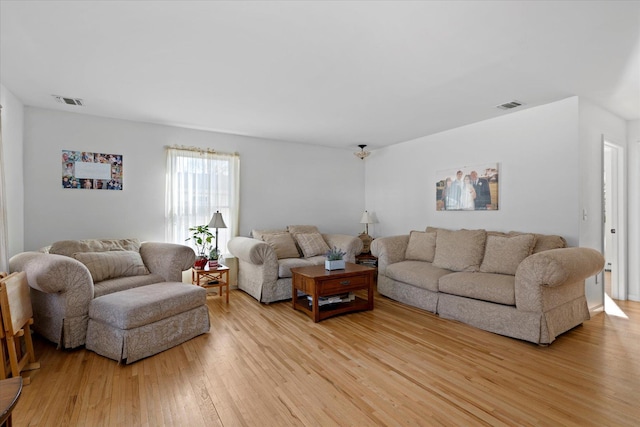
(367, 259)
(10, 390)
(212, 278)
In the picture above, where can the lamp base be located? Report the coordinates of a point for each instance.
(366, 242)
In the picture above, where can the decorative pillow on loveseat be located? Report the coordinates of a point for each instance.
(112, 264)
(421, 247)
(283, 244)
(504, 253)
(259, 234)
(303, 229)
(459, 250)
(312, 244)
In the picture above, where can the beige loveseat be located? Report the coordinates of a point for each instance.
(266, 259)
(525, 286)
(66, 276)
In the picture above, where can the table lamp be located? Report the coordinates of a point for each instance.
(217, 222)
(366, 239)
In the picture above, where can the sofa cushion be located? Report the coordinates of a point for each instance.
(546, 242)
(285, 265)
(304, 229)
(416, 273)
(312, 244)
(112, 264)
(70, 247)
(503, 254)
(498, 288)
(283, 244)
(259, 234)
(123, 283)
(421, 247)
(459, 250)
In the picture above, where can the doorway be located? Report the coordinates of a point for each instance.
(614, 230)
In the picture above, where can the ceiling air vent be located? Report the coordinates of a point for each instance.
(509, 105)
(69, 101)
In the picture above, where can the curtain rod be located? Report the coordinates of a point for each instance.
(199, 150)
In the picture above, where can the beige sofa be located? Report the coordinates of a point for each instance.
(66, 276)
(525, 286)
(265, 260)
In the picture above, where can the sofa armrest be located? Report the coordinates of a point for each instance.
(257, 265)
(389, 250)
(550, 278)
(168, 260)
(349, 244)
(253, 251)
(57, 274)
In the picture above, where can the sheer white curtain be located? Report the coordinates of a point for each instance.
(199, 182)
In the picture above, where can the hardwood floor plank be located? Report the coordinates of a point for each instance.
(269, 365)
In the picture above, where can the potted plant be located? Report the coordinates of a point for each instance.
(335, 259)
(214, 254)
(202, 238)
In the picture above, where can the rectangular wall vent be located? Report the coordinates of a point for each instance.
(69, 101)
(509, 105)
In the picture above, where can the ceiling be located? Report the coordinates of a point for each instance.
(328, 73)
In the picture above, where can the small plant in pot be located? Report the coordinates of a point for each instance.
(202, 238)
(214, 255)
(335, 259)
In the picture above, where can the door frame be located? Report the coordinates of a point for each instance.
(618, 252)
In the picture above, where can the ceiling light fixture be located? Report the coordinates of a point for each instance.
(361, 154)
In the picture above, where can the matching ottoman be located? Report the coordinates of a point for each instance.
(140, 322)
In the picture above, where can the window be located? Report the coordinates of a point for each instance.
(199, 182)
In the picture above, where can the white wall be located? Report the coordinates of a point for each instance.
(539, 170)
(596, 123)
(633, 138)
(12, 147)
(281, 183)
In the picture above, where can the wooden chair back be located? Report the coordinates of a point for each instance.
(17, 316)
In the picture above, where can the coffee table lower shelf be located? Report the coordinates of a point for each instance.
(358, 304)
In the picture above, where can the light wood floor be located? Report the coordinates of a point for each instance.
(270, 366)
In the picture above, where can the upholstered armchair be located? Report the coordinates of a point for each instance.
(66, 276)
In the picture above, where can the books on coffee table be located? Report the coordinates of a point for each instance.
(333, 299)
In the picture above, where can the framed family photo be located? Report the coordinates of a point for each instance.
(91, 171)
(468, 188)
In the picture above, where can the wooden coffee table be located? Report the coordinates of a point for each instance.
(317, 282)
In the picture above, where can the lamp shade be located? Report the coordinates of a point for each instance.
(367, 218)
(217, 221)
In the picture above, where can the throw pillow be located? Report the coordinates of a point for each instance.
(544, 242)
(303, 229)
(112, 264)
(70, 247)
(283, 244)
(504, 254)
(259, 234)
(421, 247)
(459, 250)
(312, 244)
